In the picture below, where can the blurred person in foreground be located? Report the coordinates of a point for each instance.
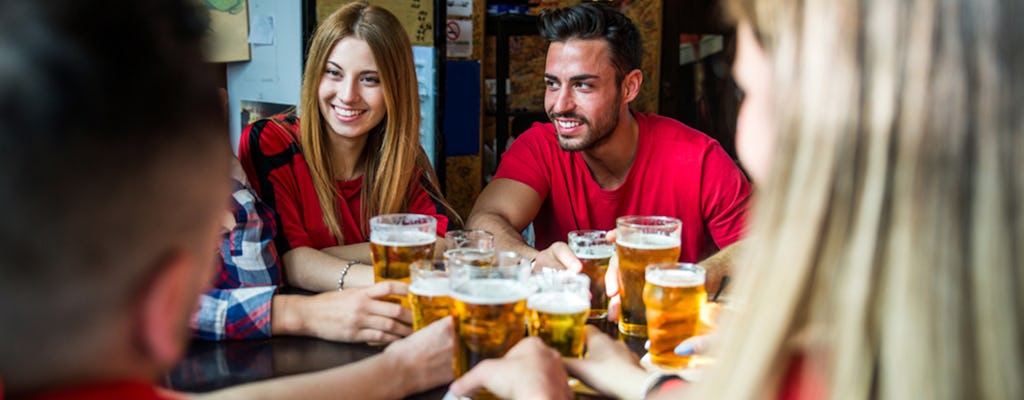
(113, 187)
(886, 234)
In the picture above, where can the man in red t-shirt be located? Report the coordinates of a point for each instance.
(598, 160)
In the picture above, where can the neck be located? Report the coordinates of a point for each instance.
(610, 161)
(346, 157)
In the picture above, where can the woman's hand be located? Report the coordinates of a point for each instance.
(353, 315)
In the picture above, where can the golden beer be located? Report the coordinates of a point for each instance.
(639, 245)
(429, 301)
(559, 319)
(470, 256)
(392, 252)
(490, 318)
(674, 295)
(595, 264)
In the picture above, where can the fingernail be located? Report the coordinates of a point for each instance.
(684, 349)
(647, 345)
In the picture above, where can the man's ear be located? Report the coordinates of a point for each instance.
(631, 85)
(166, 306)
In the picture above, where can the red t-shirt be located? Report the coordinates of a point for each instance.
(105, 391)
(677, 172)
(273, 161)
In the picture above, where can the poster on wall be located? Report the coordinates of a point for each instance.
(227, 39)
(253, 111)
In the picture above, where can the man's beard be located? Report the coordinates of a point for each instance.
(594, 136)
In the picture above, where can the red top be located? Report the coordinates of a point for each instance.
(273, 160)
(677, 172)
(134, 390)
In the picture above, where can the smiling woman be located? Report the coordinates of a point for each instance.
(354, 154)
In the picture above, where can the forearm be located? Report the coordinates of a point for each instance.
(286, 315)
(720, 265)
(357, 380)
(319, 270)
(506, 237)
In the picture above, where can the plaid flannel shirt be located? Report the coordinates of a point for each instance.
(238, 305)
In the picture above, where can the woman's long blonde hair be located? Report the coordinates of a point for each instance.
(886, 245)
(393, 160)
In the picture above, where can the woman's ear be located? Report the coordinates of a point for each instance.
(631, 85)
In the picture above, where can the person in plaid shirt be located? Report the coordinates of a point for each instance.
(239, 302)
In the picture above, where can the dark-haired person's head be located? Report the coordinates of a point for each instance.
(592, 72)
(589, 21)
(112, 174)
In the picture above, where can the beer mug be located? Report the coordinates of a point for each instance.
(428, 293)
(396, 240)
(594, 252)
(472, 256)
(557, 312)
(641, 241)
(489, 308)
(674, 295)
(473, 238)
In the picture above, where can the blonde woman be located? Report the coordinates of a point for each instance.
(884, 258)
(354, 153)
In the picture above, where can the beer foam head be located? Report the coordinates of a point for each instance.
(402, 238)
(490, 291)
(557, 303)
(595, 251)
(648, 241)
(675, 278)
(430, 287)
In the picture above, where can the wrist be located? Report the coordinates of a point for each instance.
(286, 315)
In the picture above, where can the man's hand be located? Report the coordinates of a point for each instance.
(530, 370)
(558, 256)
(609, 367)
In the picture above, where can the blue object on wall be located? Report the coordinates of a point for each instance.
(462, 108)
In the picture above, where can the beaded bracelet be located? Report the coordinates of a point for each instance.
(344, 271)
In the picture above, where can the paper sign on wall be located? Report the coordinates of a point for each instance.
(459, 33)
(460, 8)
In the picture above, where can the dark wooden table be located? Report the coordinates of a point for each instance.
(209, 366)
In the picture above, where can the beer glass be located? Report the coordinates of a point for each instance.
(674, 295)
(473, 238)
(557, 312)
(472, 256)
(641, 241)
(489, 308)
(594, 251)
(396, 240)
(428, 293)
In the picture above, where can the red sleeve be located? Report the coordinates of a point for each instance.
(421, 203)
(724, 195)
(525, 160)
(269, 155)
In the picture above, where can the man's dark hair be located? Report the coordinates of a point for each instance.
(594, 21)
(108, 121)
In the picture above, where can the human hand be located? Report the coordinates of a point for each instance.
(425, 357)
(558, 256)
(611, 281)
(530, 370)
(358, 315)
(609, 367)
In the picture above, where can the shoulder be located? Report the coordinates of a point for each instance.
(271, 135)
(665, 129)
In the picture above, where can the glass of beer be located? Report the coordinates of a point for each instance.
(674, 295)
(594, 251)
(472, 256)
(428, 293)
(396, 240)
(489, 309)
(557, 313)
(471, 238)
(641, 241)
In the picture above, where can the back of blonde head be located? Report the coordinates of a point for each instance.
(885, 245)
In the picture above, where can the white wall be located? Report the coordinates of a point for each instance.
(274, 72)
